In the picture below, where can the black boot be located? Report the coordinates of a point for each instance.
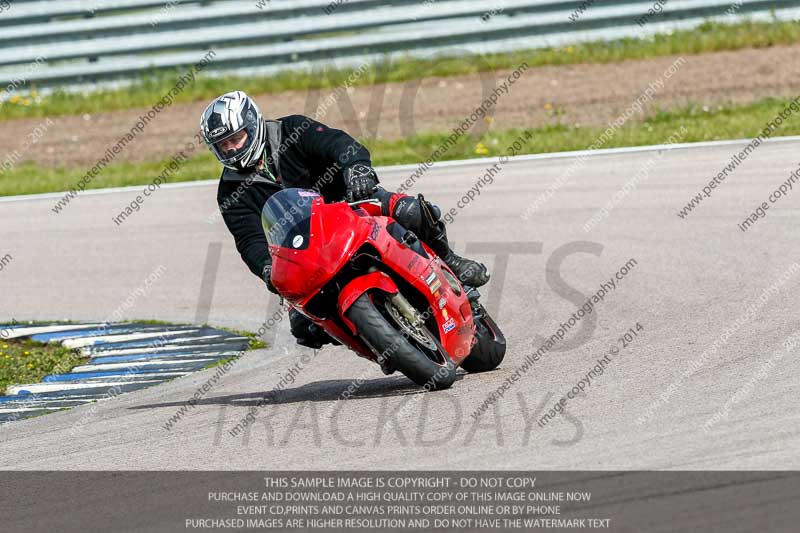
(423, 218)
(307, 333)
(469, 272)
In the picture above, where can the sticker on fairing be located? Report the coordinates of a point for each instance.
(376, 231)
(432, 282)
(449, 325)
(297, 242)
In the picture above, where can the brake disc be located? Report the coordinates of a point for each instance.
(416, 331)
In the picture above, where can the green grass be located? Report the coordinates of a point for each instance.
(254, 344)
(27, 361)
(28, 178)
(709, 37)
(701, 123)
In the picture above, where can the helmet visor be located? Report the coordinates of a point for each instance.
(236, 146)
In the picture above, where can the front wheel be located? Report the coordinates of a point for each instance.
(417, 354)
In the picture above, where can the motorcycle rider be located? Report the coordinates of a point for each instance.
(260, 157)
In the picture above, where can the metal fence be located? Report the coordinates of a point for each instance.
(77, 43)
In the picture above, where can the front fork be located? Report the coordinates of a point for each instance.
(408, 311)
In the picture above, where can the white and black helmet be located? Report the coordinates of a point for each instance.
(225, 117)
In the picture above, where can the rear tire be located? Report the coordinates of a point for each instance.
(384, 338)
(490, 348)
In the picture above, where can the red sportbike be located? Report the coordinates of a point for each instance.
(375, 287)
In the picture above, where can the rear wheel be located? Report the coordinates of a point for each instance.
(490, 346)
(409, 348)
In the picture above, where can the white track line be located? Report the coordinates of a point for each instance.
(103, 340)
(58, 386)
(40, 330)
(105, 367)
(413, 166)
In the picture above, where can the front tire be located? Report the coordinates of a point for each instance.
(432, 371)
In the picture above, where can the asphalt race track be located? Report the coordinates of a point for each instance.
(695, 281)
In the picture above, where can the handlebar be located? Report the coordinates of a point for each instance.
(367, 201)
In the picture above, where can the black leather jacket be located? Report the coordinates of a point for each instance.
(300, 152)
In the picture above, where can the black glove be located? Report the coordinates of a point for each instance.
(266, 274)
(361, 181)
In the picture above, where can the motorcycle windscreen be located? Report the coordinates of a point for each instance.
(286, 218)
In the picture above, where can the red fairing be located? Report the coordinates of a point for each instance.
(307, 259)
(452, 311)
(336, 233)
